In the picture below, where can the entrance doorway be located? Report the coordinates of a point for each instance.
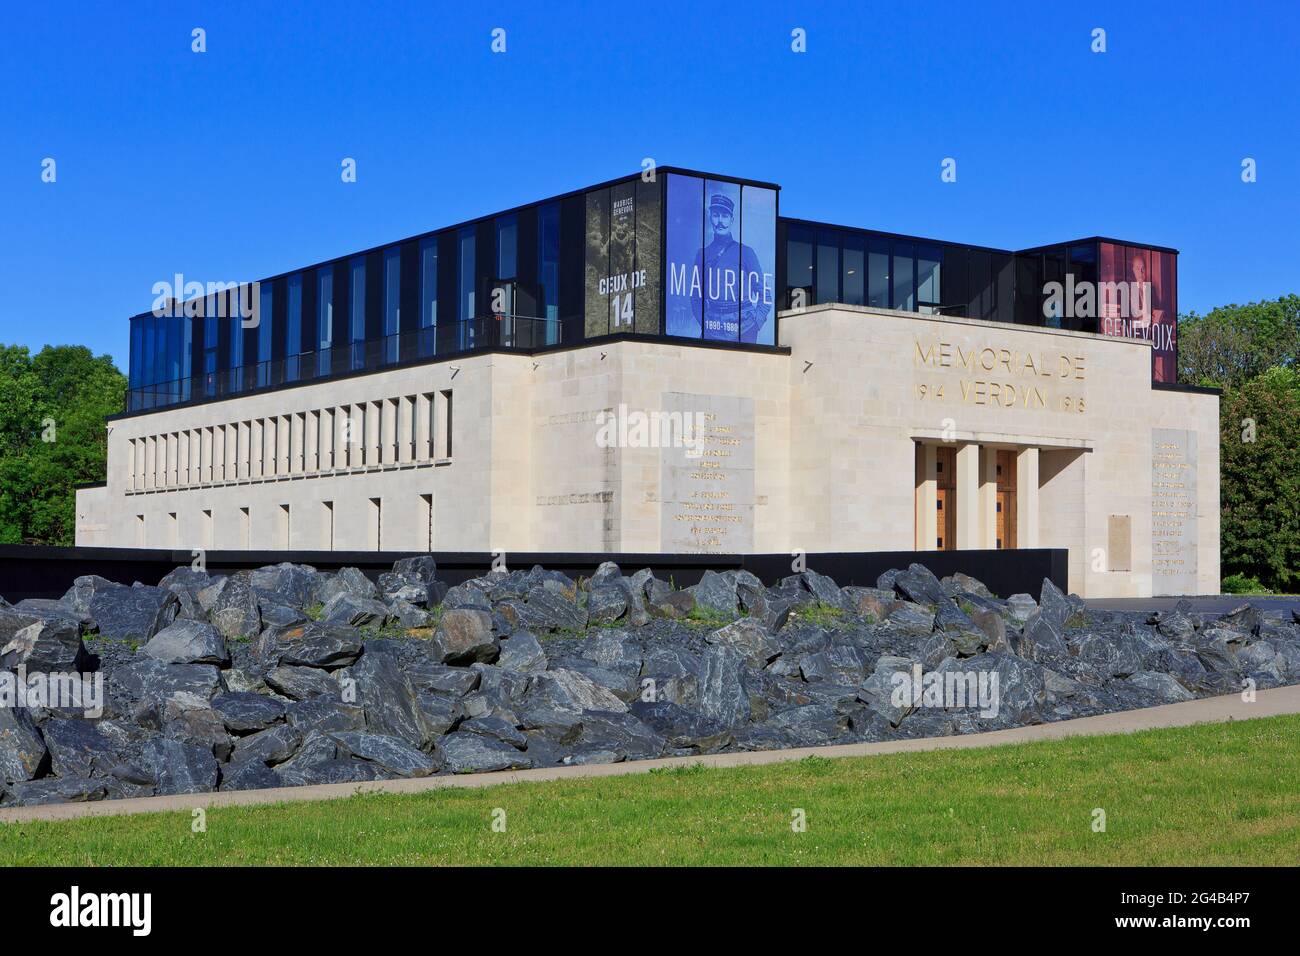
(1006, 524)
(945, 523)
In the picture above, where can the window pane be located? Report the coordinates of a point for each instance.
(324, 318)
(929, 263)
(507, 242)
(467, 304)
(878, 274)
(293, 328)
(548, 268)
(357, 313)
(798, 267)
(265, 310)
(392, 302)
(828, 266)
(904, 289)
(853, 264)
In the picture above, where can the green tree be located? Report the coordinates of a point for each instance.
(52, 437)
(1260, 479)
(1233, 343)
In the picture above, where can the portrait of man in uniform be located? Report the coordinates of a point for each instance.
(731, 292)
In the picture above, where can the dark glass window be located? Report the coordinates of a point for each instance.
(904, 294)
(236, 323)
(428, 294)
(392, 301)
(293, 329)
(357, 312)
(929, 267)
(466, 305)
(878, 273)
(507, 246)
(265, 318)
(548, 269)
(324, 318)
(853, 263)
(798, 267)
(828, 266)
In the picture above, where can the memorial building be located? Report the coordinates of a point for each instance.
(666, 364)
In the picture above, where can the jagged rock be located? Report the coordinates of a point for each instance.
(58, 790)
(180, 767)
(188, 642)
(134, 613)
(244, 713)
(496, 728)
(1260, 657)
(682, 729)
(466, 596)
(389, 700)
(279, 616)
(249, 775)
(324, 713)
(958, 628)
(1041, 640)
(557, 698)
(293, 585)
(325, 646)
(407, 615)
(272, 746)
(919, 585)
(22, 750)
(750, 638)
(673, 604)
(345, 581)
(1114, 655)
(464, 635)
(878, 690)
(838, 664)
(235, 612)
(716, 594)
(722, 692)
(473, 753)
(48, 645)
(83, 591)
(46, 609)
(391, 753)
(958, 583)
(79, 749)
(1020, 607)
(546, 610)
(1243, 617)
(911, 619)
(606, 604)
(871, 604)
(1053, 606)
(141, 688)
(522, 652)
(1162, 685)
(349, 609)
(301, 683)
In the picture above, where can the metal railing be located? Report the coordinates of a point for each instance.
(446, 339)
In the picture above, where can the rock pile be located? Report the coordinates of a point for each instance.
(286, 675)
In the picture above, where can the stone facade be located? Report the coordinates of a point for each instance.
(636, 446)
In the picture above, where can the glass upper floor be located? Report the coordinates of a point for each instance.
(681, 256)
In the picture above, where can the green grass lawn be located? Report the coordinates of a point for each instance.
(1212, 794)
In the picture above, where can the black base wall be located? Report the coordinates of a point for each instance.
(48, 572)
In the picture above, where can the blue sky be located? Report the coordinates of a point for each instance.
(225, 165)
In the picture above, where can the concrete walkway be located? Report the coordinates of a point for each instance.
(1269, 703)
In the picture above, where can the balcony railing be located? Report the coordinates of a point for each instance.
(446, 339)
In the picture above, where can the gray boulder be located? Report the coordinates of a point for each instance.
(79, 749)
(180, 767)
(48, 645)
(22, 750)
(750, 638)
(235, 612)
(464, 635)
(188, 642)
(391, 753)
(473, 753)
(134, 613)
(722, 691)
(301, 683)
(716, 594)
(354, 611)
(245, 713)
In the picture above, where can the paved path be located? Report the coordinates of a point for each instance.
(1269, 703)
